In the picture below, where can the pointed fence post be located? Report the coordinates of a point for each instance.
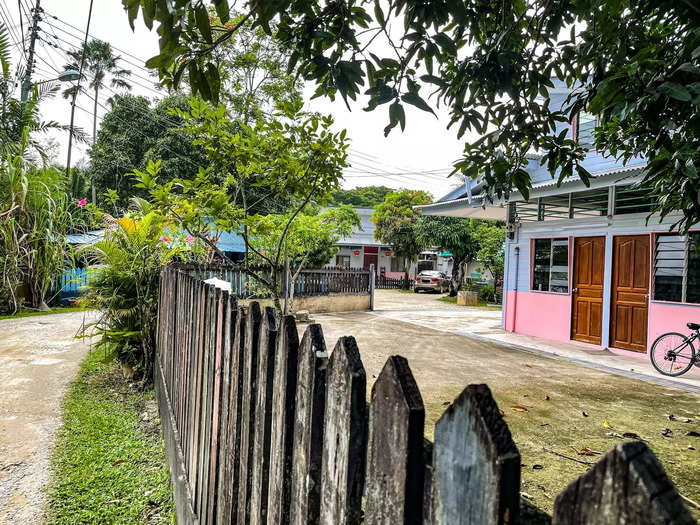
(628, 486)
(345, 442)
(395, 466)
(476, 465)
(263, 419)
(248, 398)
(308, 430)
(283, 416)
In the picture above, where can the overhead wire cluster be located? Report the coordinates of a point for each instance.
(57, 37)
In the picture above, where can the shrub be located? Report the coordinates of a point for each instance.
(486, 294)
(124, 286)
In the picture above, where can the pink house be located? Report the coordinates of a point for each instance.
(583, 263)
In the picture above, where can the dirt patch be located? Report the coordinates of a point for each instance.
(39, 356)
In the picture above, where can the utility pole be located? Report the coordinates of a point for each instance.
(27, 84)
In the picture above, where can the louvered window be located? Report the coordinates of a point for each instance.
(677, 268)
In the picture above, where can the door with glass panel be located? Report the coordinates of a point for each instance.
(587, 290)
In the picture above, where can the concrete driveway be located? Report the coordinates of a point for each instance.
(550, 402)
(485, 324)
(39, 356)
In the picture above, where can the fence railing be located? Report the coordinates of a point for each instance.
(330, 281)
(325, 281)
(264, 427)
(391, 283)
(70, 282)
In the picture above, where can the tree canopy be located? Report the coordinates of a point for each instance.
(634, 65)
(396, 223)
(362, 196)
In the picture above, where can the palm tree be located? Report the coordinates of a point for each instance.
(100, 63)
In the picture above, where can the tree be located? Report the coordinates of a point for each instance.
(21, 126)
(309, 239)
(362, 196)
(452, 234)
(634, 65)
(288, 155)
(133, 133)
(491, 238)
(397, 224)
(99, 62)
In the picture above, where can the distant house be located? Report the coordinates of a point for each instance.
(360, 250)
(582, 262)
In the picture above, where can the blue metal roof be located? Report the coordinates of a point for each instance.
(85, 238)
(231, 242)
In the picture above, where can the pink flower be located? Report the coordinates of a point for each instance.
(189, 239)
(82, 203)
(165, 238)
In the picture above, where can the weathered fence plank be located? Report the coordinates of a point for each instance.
(263, 419)
(308, 430)
(283, 415)
(476, 465)
(248, 405)
(395, 466)
(228, 475)
(345, 443)
(627, 486)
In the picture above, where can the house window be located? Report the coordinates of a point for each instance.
(343, 261)
(550, 272)
(677, 268)
(396, 264)
(584, 130)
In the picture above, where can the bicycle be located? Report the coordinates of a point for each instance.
(673, 354)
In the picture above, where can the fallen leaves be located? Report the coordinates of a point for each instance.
(666, 432)
(588, 452)
(519, 408)
(606, 424)
(584, 414)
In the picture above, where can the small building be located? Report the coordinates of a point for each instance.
(582, 262)
(360, 250)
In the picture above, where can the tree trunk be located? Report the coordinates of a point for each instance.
(406, 284)
(457, 275)
(94, 138)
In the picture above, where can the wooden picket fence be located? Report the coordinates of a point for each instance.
(262, 427)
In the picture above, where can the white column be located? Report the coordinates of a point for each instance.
(607, 290)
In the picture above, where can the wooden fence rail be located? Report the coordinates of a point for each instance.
(264, 428)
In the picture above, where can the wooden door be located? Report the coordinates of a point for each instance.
(630, 293)
(587, 292)
(370, 259)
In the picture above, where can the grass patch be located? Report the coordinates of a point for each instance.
(55, 310)
(109, 463)
(480, 304)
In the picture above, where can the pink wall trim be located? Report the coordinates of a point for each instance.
(664, 317)
(539, 314)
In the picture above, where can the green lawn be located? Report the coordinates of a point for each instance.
(109, 464)
(55, 310)
(481, 304)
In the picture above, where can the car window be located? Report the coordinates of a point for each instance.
(429, 274)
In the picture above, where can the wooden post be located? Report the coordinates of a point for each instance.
(476, 465)
(371, 287)
(308, 430)
(345, 443)
(248, 399)
(627, 486)
(263, 419)
(394, 483)
(283, 416)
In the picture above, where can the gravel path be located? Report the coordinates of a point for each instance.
(39, 356)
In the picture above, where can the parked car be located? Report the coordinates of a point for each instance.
(431, 281)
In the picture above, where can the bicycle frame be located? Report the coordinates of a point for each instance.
(695, 335)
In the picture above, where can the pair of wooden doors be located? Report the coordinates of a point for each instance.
(630, 291)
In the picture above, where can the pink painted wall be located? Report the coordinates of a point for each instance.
(539, 314)
(668, 317)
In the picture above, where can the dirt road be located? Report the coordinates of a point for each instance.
(39, 356)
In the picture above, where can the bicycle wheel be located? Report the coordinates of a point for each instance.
(672, 354)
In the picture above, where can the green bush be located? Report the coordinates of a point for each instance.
(486, 294)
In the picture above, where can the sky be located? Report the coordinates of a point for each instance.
(418, 158)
